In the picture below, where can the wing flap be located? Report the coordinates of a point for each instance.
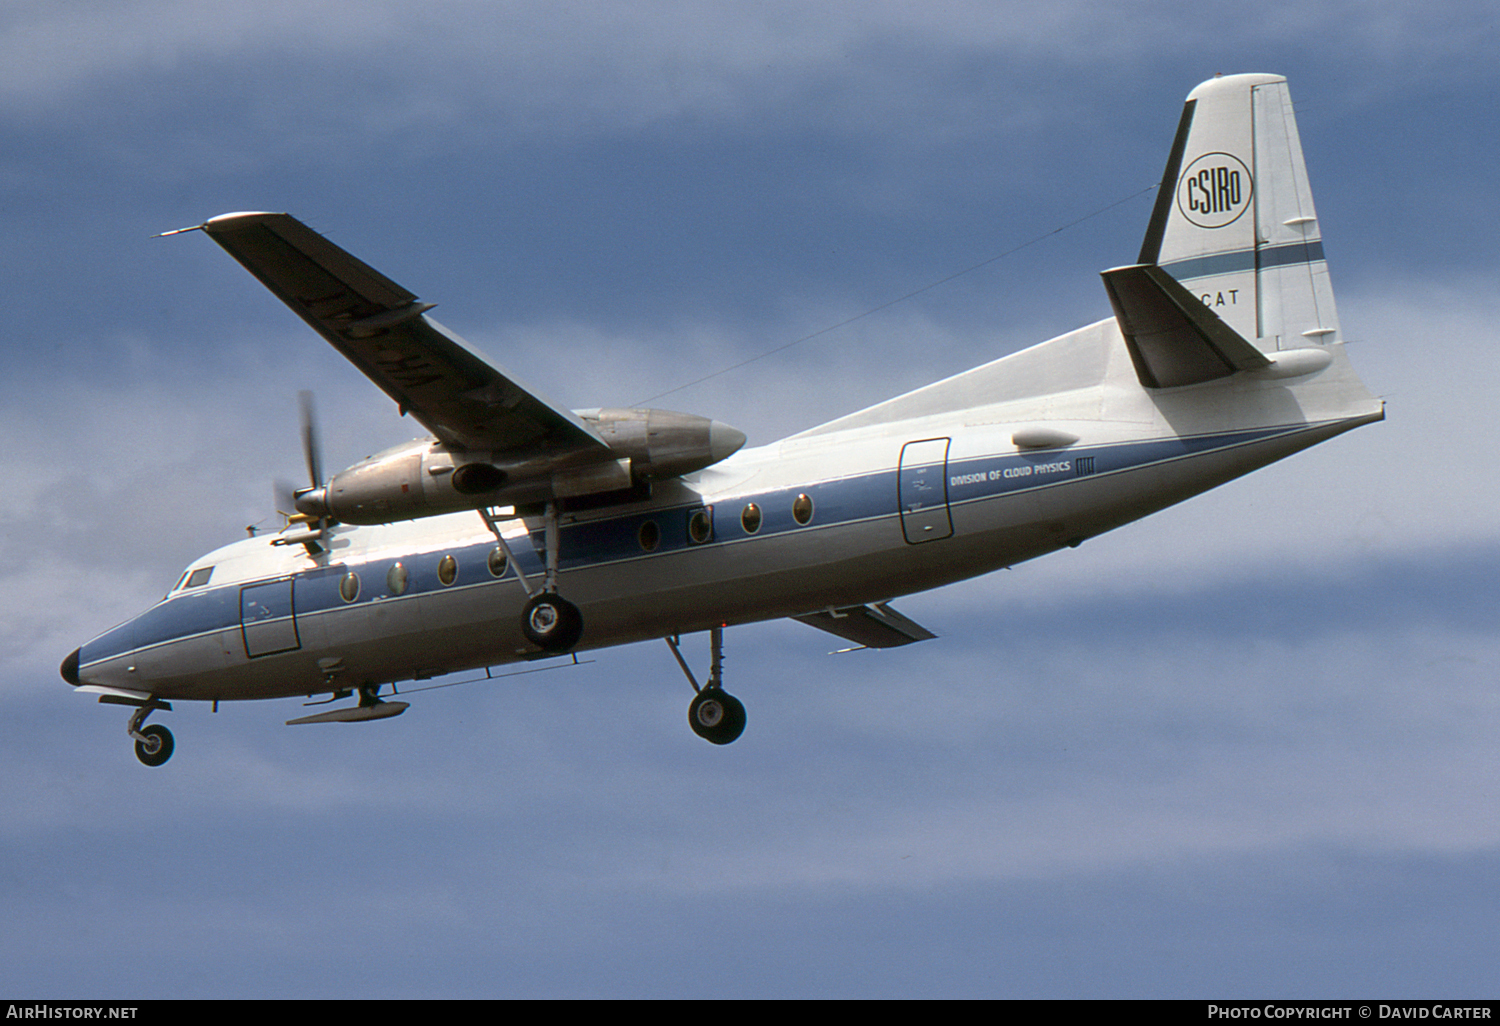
(1173, 338)
(382, 329)
(873, 626)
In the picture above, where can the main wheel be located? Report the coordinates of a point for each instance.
(157, 746)
(716, 716)
(551, 623)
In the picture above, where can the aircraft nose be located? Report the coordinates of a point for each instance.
(724, 440)
(69, 668)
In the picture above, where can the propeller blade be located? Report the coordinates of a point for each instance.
(285, 497)
(311, 448)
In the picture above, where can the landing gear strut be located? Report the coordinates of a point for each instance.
(714, 714)
(153, 744)
(549, 621)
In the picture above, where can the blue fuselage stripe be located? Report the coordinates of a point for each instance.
(593, 543)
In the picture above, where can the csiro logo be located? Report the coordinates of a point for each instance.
(1215, 190)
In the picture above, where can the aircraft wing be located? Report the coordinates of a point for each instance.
(873, 626)
(1173, 338)
(383, 330)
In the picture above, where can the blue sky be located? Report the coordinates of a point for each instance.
(1246, 747)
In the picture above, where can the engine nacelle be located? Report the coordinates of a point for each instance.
(423, 478)
(662, 443)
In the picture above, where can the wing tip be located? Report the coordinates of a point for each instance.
(238, 214)
(240, 219)
(234, 219)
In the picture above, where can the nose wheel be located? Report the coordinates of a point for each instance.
(153, 744)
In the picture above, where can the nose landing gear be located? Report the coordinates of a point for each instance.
(153, 744)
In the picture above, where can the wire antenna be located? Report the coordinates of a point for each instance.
(899, 299)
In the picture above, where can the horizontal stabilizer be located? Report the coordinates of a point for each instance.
(873, 626)
(355, 714)
(1174, 339)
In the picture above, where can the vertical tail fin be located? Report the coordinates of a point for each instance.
(1234, 219)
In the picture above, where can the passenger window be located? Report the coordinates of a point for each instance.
(701, 525)
(395, 579)
(802, 509)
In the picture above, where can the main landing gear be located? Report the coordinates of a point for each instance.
(153, 744)
(549, 621)
(714, 714)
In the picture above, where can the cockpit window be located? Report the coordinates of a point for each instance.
(199, 577)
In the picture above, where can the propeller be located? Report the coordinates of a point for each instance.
(285, 498)
(311, 448)
(308, 501)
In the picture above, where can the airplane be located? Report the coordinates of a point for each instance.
(520, 529)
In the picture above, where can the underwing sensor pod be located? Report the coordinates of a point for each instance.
(426, 478)
(1223, 354)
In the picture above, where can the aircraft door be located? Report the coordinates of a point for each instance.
(922, 486)
(267, 618)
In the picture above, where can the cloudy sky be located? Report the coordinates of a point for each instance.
(1250, 747)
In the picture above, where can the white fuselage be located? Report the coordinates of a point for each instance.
(1003, 463)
